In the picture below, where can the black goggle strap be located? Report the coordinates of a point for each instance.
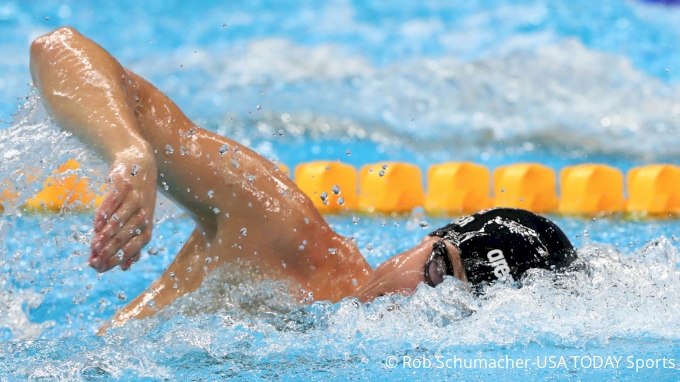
(439, 248)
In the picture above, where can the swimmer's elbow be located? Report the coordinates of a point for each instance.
(45, 48)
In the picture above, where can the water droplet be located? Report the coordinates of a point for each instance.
(302, 247)
(283, 264)
(306, 221)
(172, 275)
(216, 210)
(135, 170)
(369, 246)
(341, 201)
(384, 167)
(114, 217)
(174, 285)
(258, 107)
(355, 220)
(281, 133)
(382, 173)
(189, 269)
(120, 254)
(234, 163)
(251, 178)
(153, 251)
(122, 296)
(348, 152)
(211, 193)
(188, 189)
(668, 70)
(138, 231)
(502, 189)
(244, 231)
(151, 303)
(88, 286)
(336, 189)
(224, 149)
(168, 149)
(332, 251)
(324, 197)
(110, 179)
(424, 224)
(208, 260)
(165, 186)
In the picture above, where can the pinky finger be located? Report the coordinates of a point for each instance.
(128, 264)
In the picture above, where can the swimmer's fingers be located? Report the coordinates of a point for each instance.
(120, 220)
(111, 202)
(118, 249)
(129, 250)
(131, 261)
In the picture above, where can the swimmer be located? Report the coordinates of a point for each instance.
(247, 213)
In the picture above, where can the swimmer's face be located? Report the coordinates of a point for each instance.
(402, 273)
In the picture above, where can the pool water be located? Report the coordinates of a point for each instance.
(495, 82)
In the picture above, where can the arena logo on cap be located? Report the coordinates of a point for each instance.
(498, 262)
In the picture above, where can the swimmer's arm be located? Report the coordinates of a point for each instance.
(175, 282)
(85, 90)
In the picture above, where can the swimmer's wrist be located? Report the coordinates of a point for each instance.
(138, 151)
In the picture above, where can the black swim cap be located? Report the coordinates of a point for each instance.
(507, 241)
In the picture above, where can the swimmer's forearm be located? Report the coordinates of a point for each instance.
(83, 87)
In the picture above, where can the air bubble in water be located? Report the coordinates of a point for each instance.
(244, 231)
(122, 296)
(208, 260)
(224, 149)
(324, 197)
(281, 133)
(168, 149)
(384, 166)
(258, 107)
(336, 189)
(341, 201)
(216, 210)
(355, 220)
(332, 251)
(382, 173)
(424, 224)
(153, 251)
(120, 254)
(283, 264)
(211, 193)
(135, 170)
(151, 303)
(251, 178)
(234, 163)
(369, 246)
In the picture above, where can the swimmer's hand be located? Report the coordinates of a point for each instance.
(124, 221)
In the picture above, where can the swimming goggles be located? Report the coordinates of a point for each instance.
(438, 264)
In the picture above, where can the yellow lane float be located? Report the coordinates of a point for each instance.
(332, 186)
(453, 188)
(65, 191)
(529, 186)
(654, 189)
(591, 188)
(458, 188)
(390, 187)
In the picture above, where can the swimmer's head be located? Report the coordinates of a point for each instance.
(482, 247)
(499, 243)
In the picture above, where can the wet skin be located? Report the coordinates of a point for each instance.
(247, 213)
